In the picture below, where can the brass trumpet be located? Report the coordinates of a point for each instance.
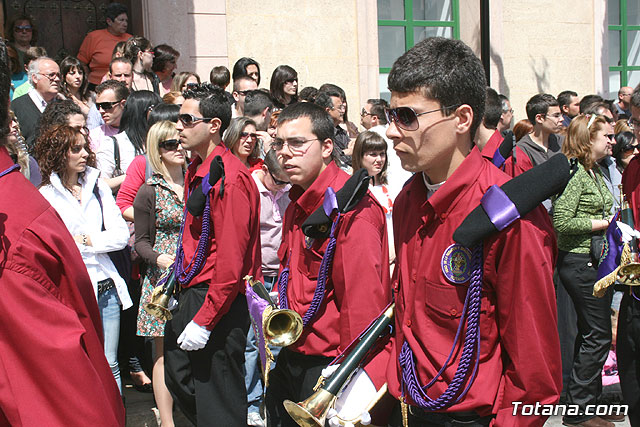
(313, 411)
(160, 299)
(281, 327)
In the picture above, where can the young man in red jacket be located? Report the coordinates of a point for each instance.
(437, 102)
(353, 292)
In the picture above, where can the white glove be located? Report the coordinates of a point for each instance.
(194, 337)
(173, 304)
(353, 400)
(628, 233)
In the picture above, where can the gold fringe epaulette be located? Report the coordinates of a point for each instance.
(600, 287)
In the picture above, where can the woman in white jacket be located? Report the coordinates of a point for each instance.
(72, 185)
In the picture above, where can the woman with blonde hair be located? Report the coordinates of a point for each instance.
(242, 140)
(158, 209)
(580, 217)
(183, 80)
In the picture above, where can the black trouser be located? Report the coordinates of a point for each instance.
(419, 418)
(208, 384)
(567, 329)
(627, 348)
(578, 275)
(293, 378)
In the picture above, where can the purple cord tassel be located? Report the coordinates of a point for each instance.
(471, 348)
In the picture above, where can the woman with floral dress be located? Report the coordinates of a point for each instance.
(158, 209)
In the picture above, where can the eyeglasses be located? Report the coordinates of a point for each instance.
(190, 119)
(406, 117)
(169, 144)
(23, 28)
(365, 113)
(341, 107)
(107, 105)
(633, 123)
(245, 135)
(554, 116)
(75, 149)
(276, 181)
(295, 145)
(51, 76)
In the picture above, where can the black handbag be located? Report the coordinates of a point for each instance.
(121, 259)
(597, 244)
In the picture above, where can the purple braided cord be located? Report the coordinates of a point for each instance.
(9, 169)
(198, 260)
(471, 345)
(323, 274)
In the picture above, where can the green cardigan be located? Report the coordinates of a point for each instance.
(583, 199)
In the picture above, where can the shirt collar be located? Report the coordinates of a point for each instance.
(206, 164)
(309, 200)
(38, 100)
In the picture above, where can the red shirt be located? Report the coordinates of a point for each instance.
(358, 287)
(520, 349)
(52, 366)
(235, 230)
(136, 173)
(631, 188)
(491, 146)
(521, 165)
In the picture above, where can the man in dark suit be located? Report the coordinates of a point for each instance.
(44, 75)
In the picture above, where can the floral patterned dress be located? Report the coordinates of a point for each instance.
(169, 209)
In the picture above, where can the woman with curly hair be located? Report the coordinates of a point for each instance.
(73, 186)
(242, 140)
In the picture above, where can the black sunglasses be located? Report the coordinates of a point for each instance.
(169, 144)
(406, 117)
(190, 119)
(107, 105)
(276, 181)
(192, 86)
(253, 136)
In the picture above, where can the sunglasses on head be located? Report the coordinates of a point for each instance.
(190, 119)
(169, 144)
(107, 105)
(406, 117)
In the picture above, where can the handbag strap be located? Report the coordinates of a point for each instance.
(116, 153)
(96, 193)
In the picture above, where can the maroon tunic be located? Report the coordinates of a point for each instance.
(520, 349)
(52, 366)
(357, 289)
(234, 250)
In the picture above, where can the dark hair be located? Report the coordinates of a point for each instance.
(220, 76)
(308, 94)
(113, 10)
(134, 117)
(321, 123)
(14, 63)
(34, 52)
(255, 103)
(492, 109)
(444, 70)
(120, 59)
(280, 76)
(564, 97)
(52, 152)
(377, 109)
(623, 143)
(213, 103)
(539, 104)
(273, 165)
(163, 112)
(134, 46)
(588, 100)
(5, 84)
(23, 17)
(335, 90)
(162, 54)
(323, 100)
(56, 113)
(234, 133)
(68, 64)
(118, 87)
(240, 68)
(365, 142)
(597, 108)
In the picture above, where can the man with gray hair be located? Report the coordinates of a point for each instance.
(44, 75)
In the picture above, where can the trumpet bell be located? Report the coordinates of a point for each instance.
(158, 307)
(313, 411)
(629, 274)
(282, 327)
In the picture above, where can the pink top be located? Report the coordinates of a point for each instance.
(132, 183)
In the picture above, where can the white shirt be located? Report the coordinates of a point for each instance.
(105, 157)
(396, 176)
(37, 99)
(98, 134)
(86, 218)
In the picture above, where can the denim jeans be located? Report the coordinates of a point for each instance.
(109, 307)
(252, 377)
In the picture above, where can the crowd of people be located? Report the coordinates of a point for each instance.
(156, 173)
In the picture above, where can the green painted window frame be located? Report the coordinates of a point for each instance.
(409, 24)
(624, 66)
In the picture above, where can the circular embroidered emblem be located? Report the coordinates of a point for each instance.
(456, 263)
